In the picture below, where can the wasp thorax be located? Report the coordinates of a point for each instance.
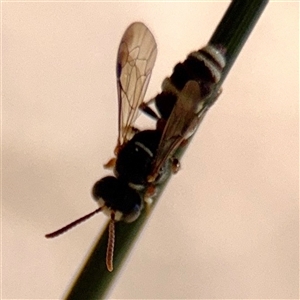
(134, 161)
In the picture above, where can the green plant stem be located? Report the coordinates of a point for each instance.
(94, 281)
(235, 28)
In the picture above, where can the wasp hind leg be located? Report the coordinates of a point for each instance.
(146, 109)
(148, 197)
(175, 165)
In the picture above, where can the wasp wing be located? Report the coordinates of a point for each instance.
(186, 115)
(135, 61)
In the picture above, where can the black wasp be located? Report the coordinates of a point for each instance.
(145, 158)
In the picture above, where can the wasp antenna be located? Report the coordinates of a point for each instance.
(73, 224)
(110, 243)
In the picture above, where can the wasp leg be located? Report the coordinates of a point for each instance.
(131, 131)
(220, 91)
(110, 164)
(175, 166)
(145, 108)
(134, 130)
(217, 95)
(148, 197)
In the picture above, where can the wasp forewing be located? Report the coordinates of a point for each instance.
(180, 126)
(135, 61)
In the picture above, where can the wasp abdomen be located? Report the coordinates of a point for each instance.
(204, 66)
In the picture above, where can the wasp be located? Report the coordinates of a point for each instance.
(144, 159)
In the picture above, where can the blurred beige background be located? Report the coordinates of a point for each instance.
(227, 224)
